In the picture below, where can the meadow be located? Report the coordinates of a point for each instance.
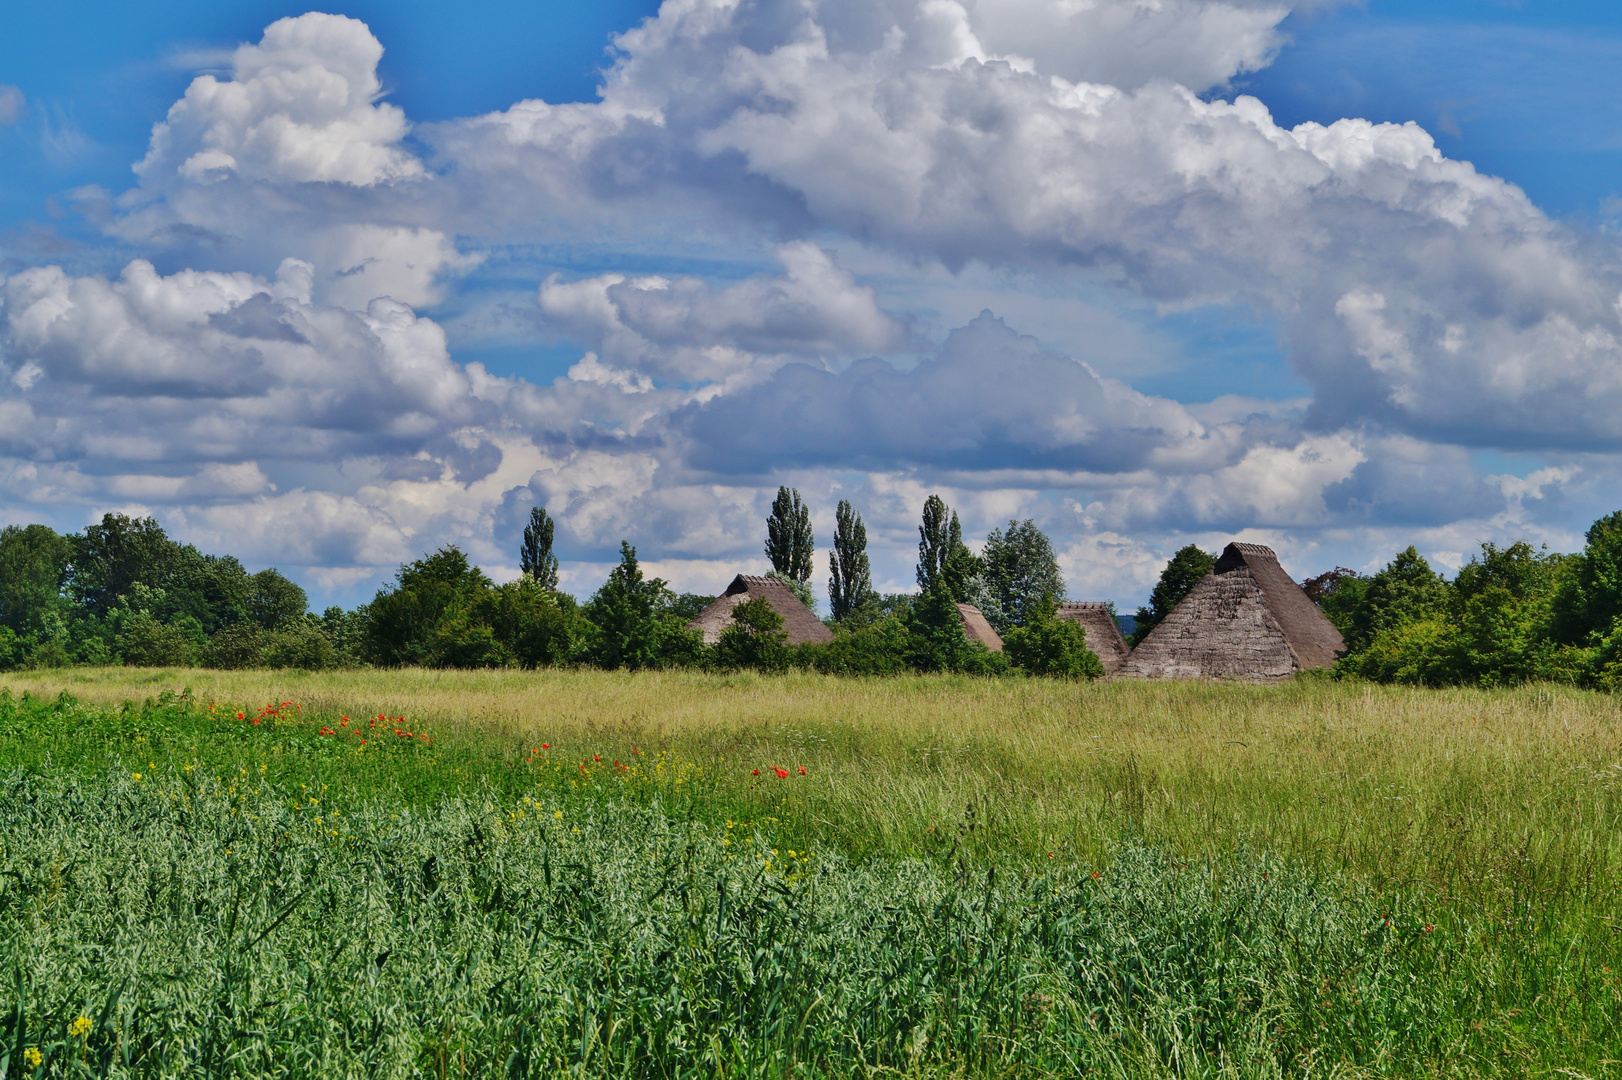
(678, 874)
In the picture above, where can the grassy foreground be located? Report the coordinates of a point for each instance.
(986, 878)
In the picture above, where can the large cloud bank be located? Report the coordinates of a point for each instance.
(288, 398)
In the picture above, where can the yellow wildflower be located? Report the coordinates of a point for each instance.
(31, 1057)
(79, 1027)
(137, 776)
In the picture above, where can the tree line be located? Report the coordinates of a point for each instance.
(122, 591)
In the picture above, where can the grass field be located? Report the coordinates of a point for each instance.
(969, 878)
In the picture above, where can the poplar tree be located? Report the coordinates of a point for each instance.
(789, 543)
(850, 577)
(939, 537)
(535, 558)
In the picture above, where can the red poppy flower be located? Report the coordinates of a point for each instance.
(596, 757)
(240, 716)
(802, 770)
(546, 746)
(782, 774)
(755, 773)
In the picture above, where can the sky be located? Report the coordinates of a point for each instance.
(330, 289)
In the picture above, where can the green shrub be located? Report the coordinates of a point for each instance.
(1052, 647)
(235, 648)
(755, 638)
(143, 641)
(1417, 653)
(299, 643)
(881, 647)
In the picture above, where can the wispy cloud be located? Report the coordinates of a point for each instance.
(12, 104)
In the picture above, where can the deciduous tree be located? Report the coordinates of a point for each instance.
(1186, 570)
(1021, 573)
(850, 576)
(535, 558)
(789, 543)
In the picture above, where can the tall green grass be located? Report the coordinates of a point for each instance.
(1102, 882)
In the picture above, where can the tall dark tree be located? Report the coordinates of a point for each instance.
(1185, 571)
(535, 558)
(1021, 573)
(112, 557)
(789, 543)
(33, 568)
(939, 537)
(275, 601)
(850, 576)
(404, 620)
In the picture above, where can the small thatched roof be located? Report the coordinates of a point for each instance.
(801, 625)
(976, 628)
(1246, 620)
(1103, 632)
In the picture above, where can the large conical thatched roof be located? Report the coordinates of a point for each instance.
(976, 628)
(801, 625)
(1246, 620)
(1103, 632)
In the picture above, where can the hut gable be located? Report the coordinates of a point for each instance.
(1247, 620)
(799, 622)
(976, 628)
(1103, 632)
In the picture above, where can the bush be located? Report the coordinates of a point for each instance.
(1418, 653)
(235, 648)
(1052, 647)
(299, 643)
(755, 639)
(936, 641)
(143, 641)
(882, 647)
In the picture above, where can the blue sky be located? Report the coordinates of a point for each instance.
(1394, 351)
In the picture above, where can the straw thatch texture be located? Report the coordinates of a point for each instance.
(976, 628)
(1103, 632)
(1247, 620)
(801, 625)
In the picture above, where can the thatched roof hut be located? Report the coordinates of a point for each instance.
(801, 625)
(976, 628)
(1247, 620)
(1103, 632)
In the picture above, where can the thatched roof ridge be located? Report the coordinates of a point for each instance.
(976, 628)
(1103, 632)
(799, 622)
(1245, 620)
